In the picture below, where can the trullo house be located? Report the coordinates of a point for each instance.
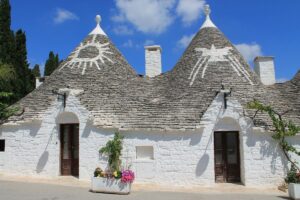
(188, 127)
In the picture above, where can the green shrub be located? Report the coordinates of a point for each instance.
(293, 176)
(113, 149)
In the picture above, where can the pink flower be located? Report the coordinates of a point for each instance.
(127, 176)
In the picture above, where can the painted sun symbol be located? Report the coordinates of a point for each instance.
(89, 54)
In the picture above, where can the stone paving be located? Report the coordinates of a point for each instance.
(61, 189)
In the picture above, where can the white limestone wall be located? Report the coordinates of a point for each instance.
(262, 163)
(187, 159)
(34, 148)
(179, 158)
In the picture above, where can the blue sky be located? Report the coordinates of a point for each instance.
(268, 27)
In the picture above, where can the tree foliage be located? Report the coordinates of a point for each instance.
(5, 110)
(13, 52)
(7, 77)
(113, 149)
(25, 77)
(51, 64)
(6, 35)
(282, 130)
(36, 71)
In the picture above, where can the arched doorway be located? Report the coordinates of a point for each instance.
(69, 144)
(227, 151)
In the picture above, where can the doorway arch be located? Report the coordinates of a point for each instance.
(68, 124)
(227, 151)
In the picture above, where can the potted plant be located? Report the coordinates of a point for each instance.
(113, 180)
(293, 180)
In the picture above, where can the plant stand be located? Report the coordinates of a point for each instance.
(106, 185)
(294, 191)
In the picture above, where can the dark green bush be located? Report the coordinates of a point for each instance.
(293, 176)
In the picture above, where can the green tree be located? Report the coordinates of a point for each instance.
(7, 47)
(7, 77)
(36, 71)
(22, 66)
(51, 64)
(5, 110)
(13, 52)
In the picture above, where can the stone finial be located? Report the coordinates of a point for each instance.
(208, 22)
(98, 19)
(207, 10)
(98, 30)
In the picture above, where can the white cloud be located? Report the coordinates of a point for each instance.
(122, 30)
(148, 42)
(249, 51)
(63, 15)
(118, 18)
(185, 41)
(190, 10)
(148, 16)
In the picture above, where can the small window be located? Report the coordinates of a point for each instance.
(144, 152)
(2, 145)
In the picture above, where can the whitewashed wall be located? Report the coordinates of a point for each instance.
(180, 158)
(34, 148)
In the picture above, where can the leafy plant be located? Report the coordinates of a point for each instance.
(113, 149)
(282, 129)
(292, 176)
(5, 110)
(7, 77)
(98, 171)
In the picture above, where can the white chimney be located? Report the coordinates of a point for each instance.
(153, 60)
(265, 69)
(39, 81)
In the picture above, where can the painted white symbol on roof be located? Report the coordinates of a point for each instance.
(217, 55)
(89, 54)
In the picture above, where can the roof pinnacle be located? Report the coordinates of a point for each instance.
(208, 22)
(98, 30)
(98, 19)
(207, 10)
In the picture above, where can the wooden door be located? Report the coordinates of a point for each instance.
(227, 157)
(69, 149)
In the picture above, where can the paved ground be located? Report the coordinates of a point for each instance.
(10, 190)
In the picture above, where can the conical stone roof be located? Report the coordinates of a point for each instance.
(117, 97)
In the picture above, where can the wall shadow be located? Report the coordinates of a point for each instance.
(42, 162)
(202, 165)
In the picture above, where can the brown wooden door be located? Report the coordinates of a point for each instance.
(227, 157)
(69, 149)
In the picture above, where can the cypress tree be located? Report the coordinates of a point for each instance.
(51, 64)
(56, 61)
(21, 64)
(6, 35)
(36, 71)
